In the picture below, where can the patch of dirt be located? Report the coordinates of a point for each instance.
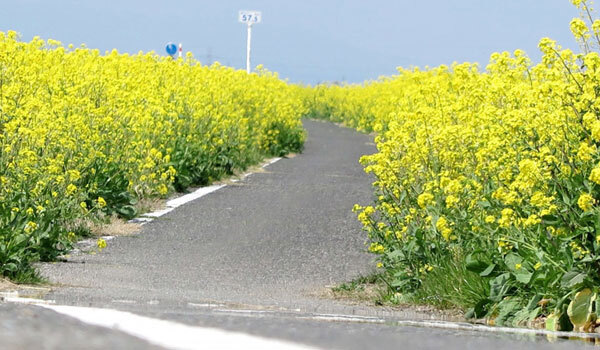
(149, 205)
(116, 227)
(367, 294)
(6, 285)
(10, 289)
(372, 295)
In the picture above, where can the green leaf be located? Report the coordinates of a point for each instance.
(518, 268)
(565, 198)
(553, 322)
(11, 267)
(523, 316)
(396, 254)
(572, 278)
(399, 283)
(580, 310)
(127, 211)
(499, 286)
(507, 310)
(480, 309)
(470, 314)
(488, 270)
(550, 219)
(511, 260)
(19, 240)
(523, 276)
(533, 302)
(475, 265)
(484, 204)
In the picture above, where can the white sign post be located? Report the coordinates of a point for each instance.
(250, 18)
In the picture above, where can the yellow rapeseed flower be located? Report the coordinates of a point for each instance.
(424, 199)
(101, 243)
(586, 202)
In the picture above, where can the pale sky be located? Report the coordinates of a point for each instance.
(304, 40)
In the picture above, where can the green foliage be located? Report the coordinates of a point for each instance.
(499, 168)
(452, 285)
(581, 310)
(85, 136)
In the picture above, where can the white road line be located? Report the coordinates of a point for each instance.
(204, 305)
(271, 162)
(203, 191)
(158, 213)
(174, 335)
(179, 201)
(170, 334)
(463, 326)
(243, 311)
(345, 318)
(175, 203)
(21, 300)
(140, 220)
(9, 294)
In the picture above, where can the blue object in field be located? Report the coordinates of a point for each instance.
(171, 49)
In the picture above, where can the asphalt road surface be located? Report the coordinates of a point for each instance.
(254, 258)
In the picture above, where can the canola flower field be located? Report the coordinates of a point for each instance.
(487, 179)
(85, 136)
(487, 182)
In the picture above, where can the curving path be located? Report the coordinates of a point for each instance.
(253, 257)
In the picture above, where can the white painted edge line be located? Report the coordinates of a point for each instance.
(243, 311)
(179, 201)
(175, 203)
(170, 334)
(20, 300)
(464, 326)
(158, 213)
(9, 294)
(272, 161)
(345, 318)
(315, 317)
(202, 191)
(140, 220)
(149, 329)
(495, 329)
(204, 305)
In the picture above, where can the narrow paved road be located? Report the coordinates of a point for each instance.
(270, 240)
(253, 257)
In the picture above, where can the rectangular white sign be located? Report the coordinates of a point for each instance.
(250, 17)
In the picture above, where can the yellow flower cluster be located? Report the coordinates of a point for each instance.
(453, 139)
(498, 156)
(492, 144)
(82, 132)
(443, 228)
(586, 202)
